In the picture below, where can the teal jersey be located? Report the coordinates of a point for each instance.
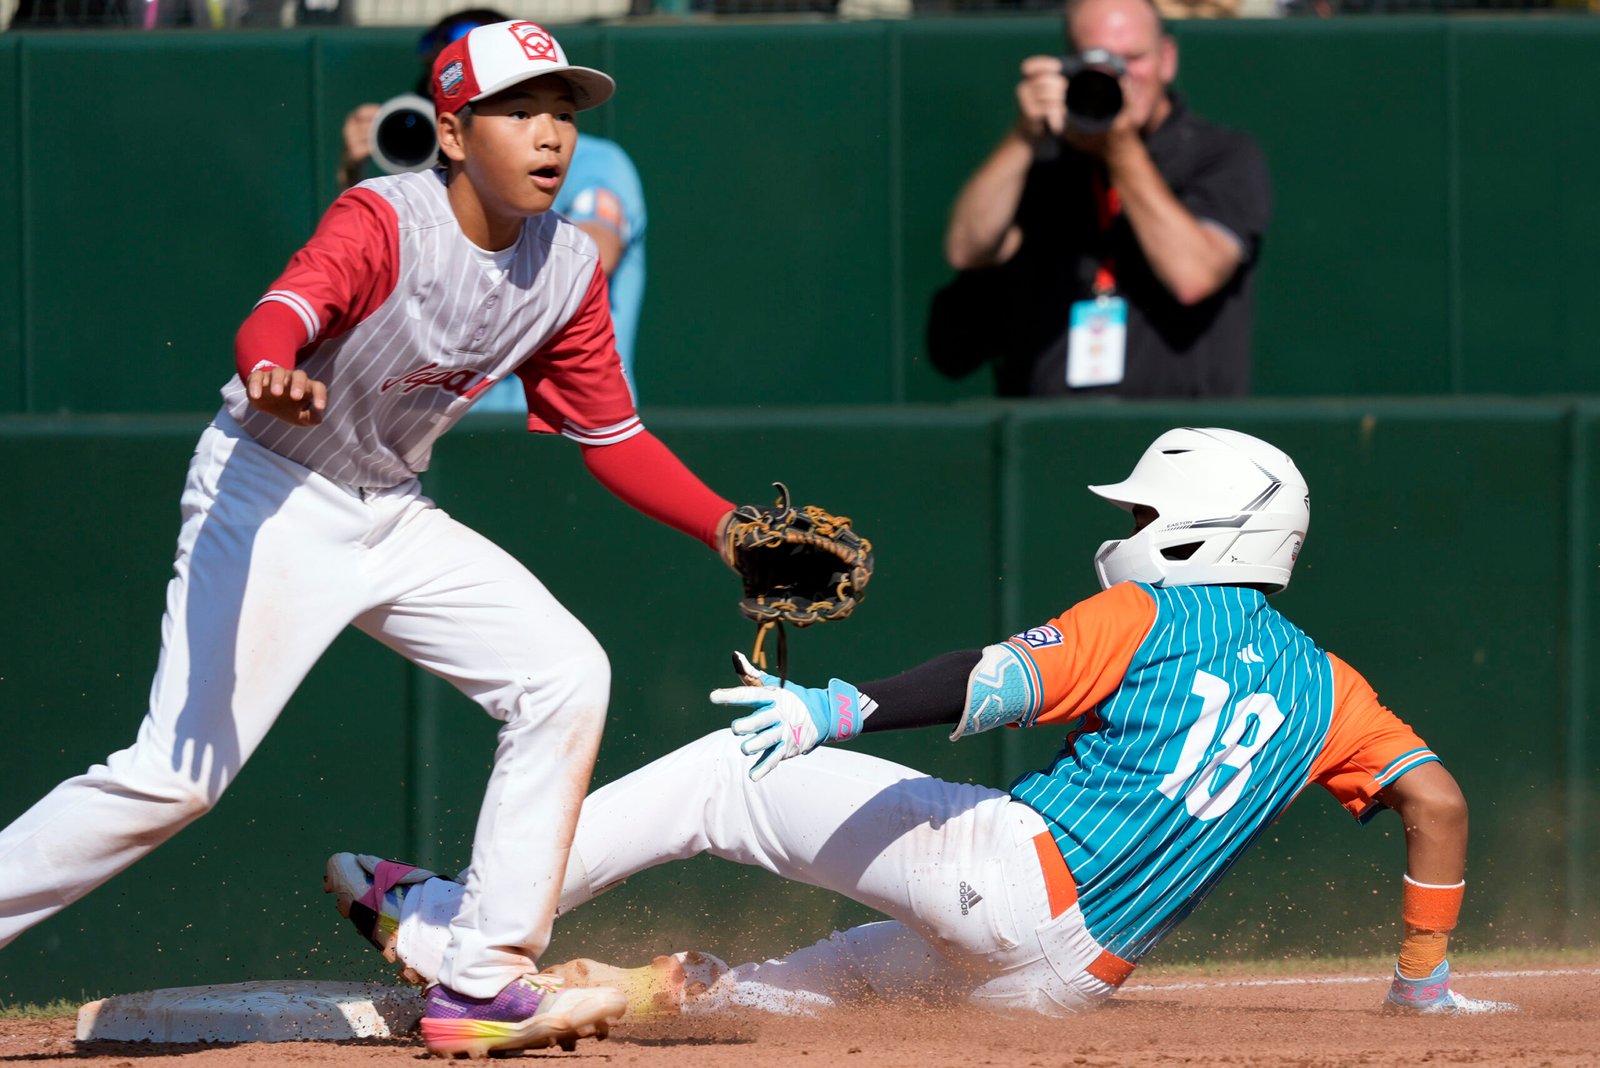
(1211, 732)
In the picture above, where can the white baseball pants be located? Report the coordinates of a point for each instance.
(955, 865)
(273, 561)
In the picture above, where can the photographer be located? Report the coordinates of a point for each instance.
(1109, 250)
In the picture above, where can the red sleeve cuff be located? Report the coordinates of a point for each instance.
(271, 335)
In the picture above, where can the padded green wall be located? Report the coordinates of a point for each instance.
(1452, 558)
(12, 299)
(1432, 234)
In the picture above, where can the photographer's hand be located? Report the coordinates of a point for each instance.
(356, 135)
(1041, 99)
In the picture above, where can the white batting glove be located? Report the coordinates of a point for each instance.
(791, 721)
(780, 727)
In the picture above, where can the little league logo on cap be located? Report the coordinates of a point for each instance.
(537, 42)
(493, 58)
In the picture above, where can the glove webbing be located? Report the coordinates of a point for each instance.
(758, 655)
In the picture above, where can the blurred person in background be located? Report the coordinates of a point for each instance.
(1108, 246)
(602, 194)
(135, 14)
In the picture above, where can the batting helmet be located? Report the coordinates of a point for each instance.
(1230, 509)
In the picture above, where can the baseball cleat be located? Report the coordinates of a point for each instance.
(1432, 996)
(533, 1012)
(369, 894)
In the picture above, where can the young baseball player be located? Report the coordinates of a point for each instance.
(1194, 714)
(302, 513)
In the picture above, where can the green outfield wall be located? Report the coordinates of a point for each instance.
(1434, 233)
(1452, 558)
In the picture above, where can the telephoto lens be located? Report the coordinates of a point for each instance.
(1094, 89)
(403, 135)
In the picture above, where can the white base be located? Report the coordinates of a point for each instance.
(287, 1010)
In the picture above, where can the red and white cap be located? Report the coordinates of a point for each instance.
(497, 56)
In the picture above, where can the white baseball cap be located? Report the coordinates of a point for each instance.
(497, 56)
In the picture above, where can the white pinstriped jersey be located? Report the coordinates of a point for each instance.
(407, 325)
(1201, 714)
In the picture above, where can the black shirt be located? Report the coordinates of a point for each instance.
(1016, 315)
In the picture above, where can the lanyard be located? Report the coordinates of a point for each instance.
(1108, 205)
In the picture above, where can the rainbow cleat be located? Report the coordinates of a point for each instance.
(533, 1012)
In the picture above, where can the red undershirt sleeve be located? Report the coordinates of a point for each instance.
(270, 335)
(645, 474)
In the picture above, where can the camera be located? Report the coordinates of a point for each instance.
(1094, 89)
(403, 136)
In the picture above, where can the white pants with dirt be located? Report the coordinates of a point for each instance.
(957, 867)
(273, 561)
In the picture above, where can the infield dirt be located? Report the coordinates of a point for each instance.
(1182, 1018)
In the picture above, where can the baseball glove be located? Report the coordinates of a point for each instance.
(799, 565)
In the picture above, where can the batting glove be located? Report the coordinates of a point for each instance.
(1433, 996)
(789, 721)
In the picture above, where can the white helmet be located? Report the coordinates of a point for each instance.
(1231, 510)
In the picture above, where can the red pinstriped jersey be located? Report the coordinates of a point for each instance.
(408, 323)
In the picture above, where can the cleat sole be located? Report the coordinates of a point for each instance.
(481, 1038)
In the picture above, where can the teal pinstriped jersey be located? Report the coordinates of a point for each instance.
(1212, 732)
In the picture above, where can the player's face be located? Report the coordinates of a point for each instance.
(518, 146)
(1132, 30)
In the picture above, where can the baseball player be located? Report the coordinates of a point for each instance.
(1194, 713)
(302, 513)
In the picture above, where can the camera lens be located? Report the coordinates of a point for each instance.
(407, 137)
(1093, 99)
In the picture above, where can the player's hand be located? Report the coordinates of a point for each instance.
(780, 725)
(788, 721)
(1041, 98)
(292, 396)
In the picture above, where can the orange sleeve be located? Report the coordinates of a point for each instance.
(1368, 746)
(1082, 655)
